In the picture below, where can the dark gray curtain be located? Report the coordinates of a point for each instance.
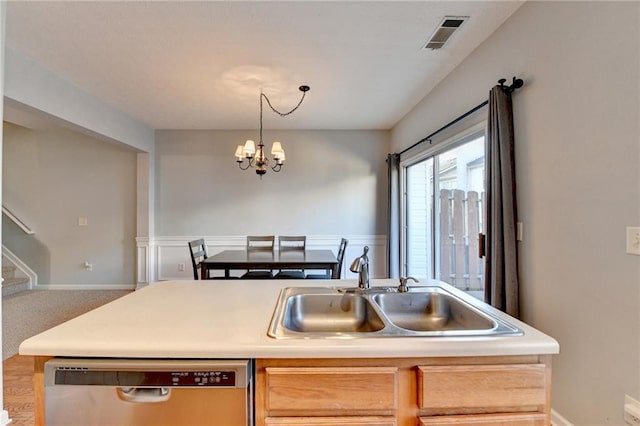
(501, 273)
(393, 216)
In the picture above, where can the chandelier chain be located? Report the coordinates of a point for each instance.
(283, 114)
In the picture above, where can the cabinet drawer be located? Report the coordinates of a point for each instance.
(469, 389)
(525, 419)
(331, 390)
(331, 421)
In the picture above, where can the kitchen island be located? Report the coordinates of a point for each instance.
(400, 381)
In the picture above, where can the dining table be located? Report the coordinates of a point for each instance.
(228, 260)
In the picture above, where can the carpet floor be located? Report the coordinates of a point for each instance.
(28, 313)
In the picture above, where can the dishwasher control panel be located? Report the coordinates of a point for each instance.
(187, 378)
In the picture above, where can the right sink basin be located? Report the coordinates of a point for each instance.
(431, 311)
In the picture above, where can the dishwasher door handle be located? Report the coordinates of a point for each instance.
(144, 395)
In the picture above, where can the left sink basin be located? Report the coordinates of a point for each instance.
(335, 313)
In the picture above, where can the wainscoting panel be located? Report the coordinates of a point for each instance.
(167, 258)
(142, 260)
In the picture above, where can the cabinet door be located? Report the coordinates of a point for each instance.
(330, 391)
(524, 419)
(476, 389)
(330, 421)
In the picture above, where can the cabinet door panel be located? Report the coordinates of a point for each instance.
(468, 389)
(331, 390)
(528, 419)
(330, 421)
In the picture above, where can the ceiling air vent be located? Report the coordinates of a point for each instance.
(444, 31)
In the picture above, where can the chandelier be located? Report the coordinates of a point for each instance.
(257, 158)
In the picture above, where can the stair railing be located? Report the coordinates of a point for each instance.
(20, 266)
(17, 221)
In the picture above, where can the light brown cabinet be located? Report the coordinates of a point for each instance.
(331, 421)
(512, 390)
(522, 419)
(493, 388)
(330, 390)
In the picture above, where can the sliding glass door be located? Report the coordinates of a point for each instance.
(443, 212)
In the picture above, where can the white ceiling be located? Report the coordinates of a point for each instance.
(201, 65)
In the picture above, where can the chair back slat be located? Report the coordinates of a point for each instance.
(292, 242)
(261, 242)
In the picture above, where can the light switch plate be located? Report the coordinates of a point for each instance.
(82, 221)
(519, 231)
(633, 240)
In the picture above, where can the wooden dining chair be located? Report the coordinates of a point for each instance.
(340, 257)
(259, 243)
(288, 243)
(198, 252)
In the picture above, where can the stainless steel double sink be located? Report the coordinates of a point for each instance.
(329, 312)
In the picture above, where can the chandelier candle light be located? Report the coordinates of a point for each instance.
(257, 158)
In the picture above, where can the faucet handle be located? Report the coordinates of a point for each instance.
(360, 261)
(403, 288)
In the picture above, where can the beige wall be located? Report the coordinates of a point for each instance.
(52, 177)
(333, 183)
(577, 151)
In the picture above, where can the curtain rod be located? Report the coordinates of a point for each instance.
(516, 84)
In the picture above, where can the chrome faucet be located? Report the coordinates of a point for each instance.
(403, 288)
(360, 265)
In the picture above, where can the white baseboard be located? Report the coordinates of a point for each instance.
(4, 418)
(558, 420)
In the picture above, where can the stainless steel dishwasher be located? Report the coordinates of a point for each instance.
(123, 392)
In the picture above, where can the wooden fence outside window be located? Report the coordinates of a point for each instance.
(460, 224)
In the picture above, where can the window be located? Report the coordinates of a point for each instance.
(443, 210)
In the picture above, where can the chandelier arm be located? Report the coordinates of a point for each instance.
(249, 165)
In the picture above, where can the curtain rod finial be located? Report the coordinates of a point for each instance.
(516, 83)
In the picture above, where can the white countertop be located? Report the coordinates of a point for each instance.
(230, 319)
